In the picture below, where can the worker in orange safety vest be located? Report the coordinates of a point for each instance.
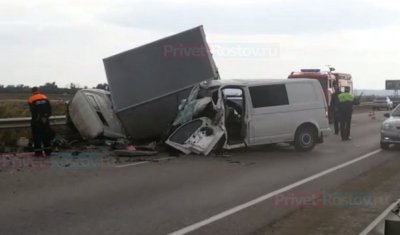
(40, 108)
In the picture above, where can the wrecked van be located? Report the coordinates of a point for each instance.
(238, 113)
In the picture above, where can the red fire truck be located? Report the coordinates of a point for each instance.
(328, 80)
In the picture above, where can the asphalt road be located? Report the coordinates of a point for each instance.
(174, 195)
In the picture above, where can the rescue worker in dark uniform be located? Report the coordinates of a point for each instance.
(345, 111)
(335, 109)
(40, 108)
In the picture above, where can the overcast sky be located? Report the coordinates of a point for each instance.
(65, 41)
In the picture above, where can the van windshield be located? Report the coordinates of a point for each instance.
(200, 102)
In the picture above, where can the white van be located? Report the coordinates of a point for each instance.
(239, 113)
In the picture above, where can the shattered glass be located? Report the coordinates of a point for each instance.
(199, 99)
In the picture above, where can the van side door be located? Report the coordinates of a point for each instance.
(269, 119)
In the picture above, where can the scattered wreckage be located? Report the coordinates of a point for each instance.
(172, 87)
(146, 84)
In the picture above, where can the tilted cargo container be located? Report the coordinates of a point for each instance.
(147, 83)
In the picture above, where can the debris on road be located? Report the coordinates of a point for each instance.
(147, 86)
(150, 146)
(135, 153)
(132, 151)
(23, 142)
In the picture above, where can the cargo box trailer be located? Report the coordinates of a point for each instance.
(148, 83)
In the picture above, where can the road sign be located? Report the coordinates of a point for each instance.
(392, 84)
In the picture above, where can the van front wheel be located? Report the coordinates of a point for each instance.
(305, 139)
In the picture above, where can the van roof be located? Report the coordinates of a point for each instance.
(247, 82)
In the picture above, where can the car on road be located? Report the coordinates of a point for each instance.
(382, 103)
(390, 130)
(395, 100)
(239, 113)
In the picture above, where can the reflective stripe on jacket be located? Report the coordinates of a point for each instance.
(345, 97)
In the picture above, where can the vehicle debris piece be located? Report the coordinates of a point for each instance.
(134, 153)
(128, 150)
(92, 114)
(23, 142)
(147, 83)
(198, 136)
(150, 146)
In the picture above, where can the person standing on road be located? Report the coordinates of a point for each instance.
(335, 109)
(345, 112)
(40, 108)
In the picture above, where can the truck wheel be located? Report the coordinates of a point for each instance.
(305, 139)
(385, 146)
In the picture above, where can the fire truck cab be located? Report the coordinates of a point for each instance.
(328, 81)
(344, 80)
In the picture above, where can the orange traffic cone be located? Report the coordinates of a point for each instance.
(371, 115)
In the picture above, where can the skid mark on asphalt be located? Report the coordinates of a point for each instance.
(253, 202)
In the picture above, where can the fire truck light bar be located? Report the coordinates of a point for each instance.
(310, 70)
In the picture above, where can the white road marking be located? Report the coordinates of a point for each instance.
(253, 202)
(379, 218)
(162, 159)
(143, 162)
(132, 164)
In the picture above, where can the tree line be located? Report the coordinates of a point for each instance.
(49, 88)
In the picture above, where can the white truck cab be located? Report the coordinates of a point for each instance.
(239, 113)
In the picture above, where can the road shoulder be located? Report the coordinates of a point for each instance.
(379, 184)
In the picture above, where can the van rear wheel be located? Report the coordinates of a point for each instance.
(305, 139)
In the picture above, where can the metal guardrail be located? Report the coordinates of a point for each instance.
(8, 123)
(390, 215)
